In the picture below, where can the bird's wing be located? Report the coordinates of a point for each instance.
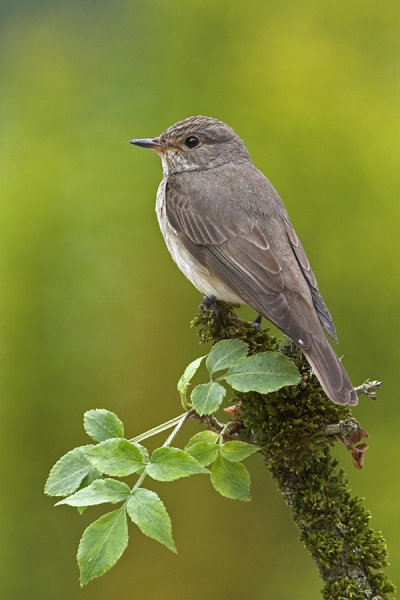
(320, 306)
(234, 247)
(238, 254)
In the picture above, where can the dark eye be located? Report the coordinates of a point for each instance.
(192, 141)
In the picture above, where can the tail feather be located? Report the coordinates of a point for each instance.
(330, 371)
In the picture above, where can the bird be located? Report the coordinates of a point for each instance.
(228, 231)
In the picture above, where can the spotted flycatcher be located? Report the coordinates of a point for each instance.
(229, 233)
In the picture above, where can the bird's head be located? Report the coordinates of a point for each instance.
(196, 143)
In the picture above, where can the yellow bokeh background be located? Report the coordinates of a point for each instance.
(96, 315)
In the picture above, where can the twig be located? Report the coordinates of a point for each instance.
(369, 388)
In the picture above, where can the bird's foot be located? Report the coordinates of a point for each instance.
(210, 302)
(257, 323)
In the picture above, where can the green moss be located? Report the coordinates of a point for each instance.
(345, 589)
(209, 330)
(289, 426)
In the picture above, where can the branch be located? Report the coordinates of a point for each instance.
(295, 428)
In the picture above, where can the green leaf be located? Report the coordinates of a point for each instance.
(98, 492)
(90, 477)
(102, 544)
(148, 512)
(236, 451)
(116, 457)
(68, 473)
(102, 424)
(186, 378)
(204, 452)
(231, 479)
(143, 451)
(225, 354)
(263, 373)
(202, 436)
(86, 481)
(168, 464)
(207, 397)
(203, 447)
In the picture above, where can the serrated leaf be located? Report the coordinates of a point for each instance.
(98, 492)
(116, 457)
(202, 436)
(231, 479)
(263, 373)
(102, 424)
(68, 473)
(204, 452)
(102, 544)
(143, 451)
(236, 451)
(168, 464)
(148, 512)
(187, 377)
(224, 354)
(207, 397)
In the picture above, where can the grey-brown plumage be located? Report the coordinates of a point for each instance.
(228, 231)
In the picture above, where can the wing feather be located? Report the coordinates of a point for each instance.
(322, 311)
(239, 256)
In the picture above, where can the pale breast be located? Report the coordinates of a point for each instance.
(197, 274)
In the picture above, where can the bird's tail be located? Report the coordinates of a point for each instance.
(330, 372)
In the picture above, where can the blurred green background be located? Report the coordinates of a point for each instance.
(96, 314)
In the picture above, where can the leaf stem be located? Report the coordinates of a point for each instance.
(182, 421)
(139, 481)
(179, 421)
(225, 429)
(158, 429)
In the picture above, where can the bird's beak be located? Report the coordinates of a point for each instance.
(151, 143)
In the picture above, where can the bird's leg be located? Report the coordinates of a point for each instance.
(211, 302)
(257, 323)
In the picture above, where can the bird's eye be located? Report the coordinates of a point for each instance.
(192, 141)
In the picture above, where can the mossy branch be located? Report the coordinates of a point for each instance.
(295, 429)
